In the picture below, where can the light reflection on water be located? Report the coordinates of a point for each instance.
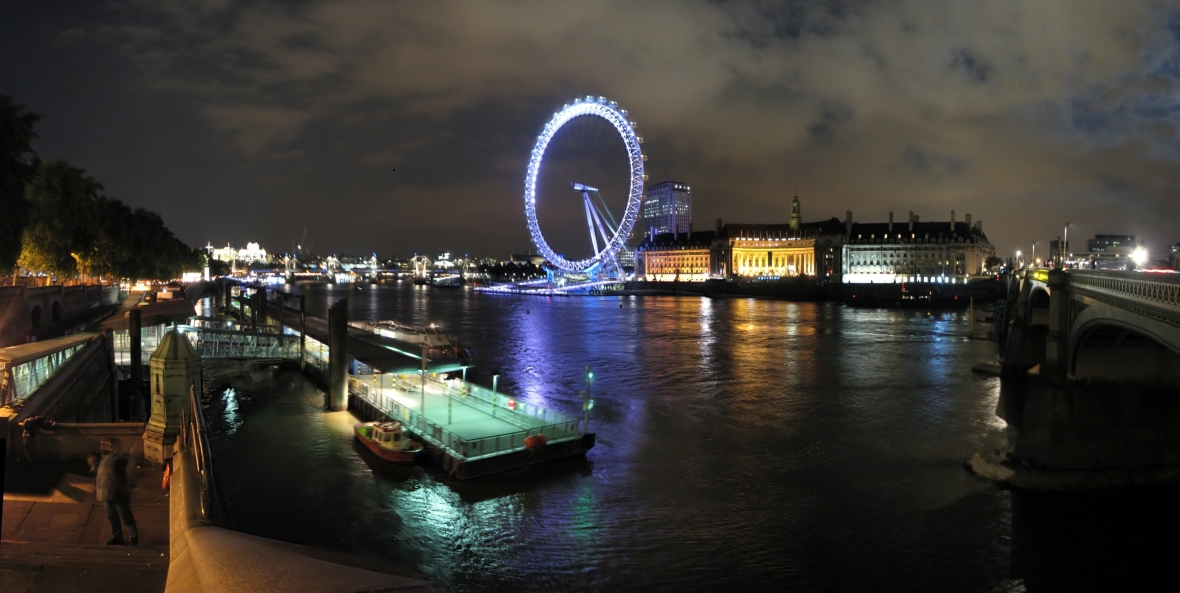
(741, 442)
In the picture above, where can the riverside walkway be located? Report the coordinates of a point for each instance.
(54, 532)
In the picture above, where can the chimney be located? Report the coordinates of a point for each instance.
(979, 225)
(891, 222)
(848, 224)
(952, 221)
(719, 225)
(967, 219)
(912, 218)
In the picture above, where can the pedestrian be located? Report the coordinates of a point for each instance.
(112, 488)
(30, 427)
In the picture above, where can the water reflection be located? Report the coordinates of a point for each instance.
(751, 444)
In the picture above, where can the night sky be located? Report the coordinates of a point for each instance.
(254, 121)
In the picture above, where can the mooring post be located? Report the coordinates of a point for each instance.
(302, 333)
(971, 318)
(135, 404)
(263, 315)
(108, 339)
(338, 356)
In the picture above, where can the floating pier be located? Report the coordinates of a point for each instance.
(467, 430)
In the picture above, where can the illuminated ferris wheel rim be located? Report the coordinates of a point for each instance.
(610, 111)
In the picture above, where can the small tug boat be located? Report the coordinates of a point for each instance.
(387, 441)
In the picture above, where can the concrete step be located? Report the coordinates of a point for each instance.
(17, 555)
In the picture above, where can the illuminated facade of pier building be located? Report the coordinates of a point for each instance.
(940, 252)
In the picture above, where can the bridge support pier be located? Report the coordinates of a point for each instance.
(1056, 363)
(262, 305)
(338, 356)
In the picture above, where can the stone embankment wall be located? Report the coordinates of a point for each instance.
(41, 312)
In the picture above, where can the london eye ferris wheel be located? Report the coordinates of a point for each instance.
(579, 142)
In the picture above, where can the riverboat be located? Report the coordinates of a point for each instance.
(412, 337)
(388, 441)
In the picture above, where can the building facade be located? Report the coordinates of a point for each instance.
(914, 251)
(776, 251)
(251, 254)
(667, 208)
(675, 257)
(1111, 251)
(744, 252)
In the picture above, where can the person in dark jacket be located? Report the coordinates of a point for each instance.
(29, 429)
(112, 488)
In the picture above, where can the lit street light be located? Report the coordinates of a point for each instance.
(1065, 245)
(1139, 256)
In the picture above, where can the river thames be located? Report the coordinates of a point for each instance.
(754, 444)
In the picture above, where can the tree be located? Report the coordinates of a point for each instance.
(18, 165)
(59, 231)
(991, 262)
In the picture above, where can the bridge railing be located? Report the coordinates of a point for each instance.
(194, 436)
(1162, 290)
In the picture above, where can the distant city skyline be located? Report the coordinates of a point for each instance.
(253, 122)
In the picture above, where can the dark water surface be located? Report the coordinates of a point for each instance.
(749, 443)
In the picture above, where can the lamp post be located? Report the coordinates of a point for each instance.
(586, 404)
(495, 380)
(1065, 245)
(422, 405)
(1034, 253)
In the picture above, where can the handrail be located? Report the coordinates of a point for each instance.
(1163, 290)
(194, 434)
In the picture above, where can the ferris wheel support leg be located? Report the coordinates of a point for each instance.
(590, 221)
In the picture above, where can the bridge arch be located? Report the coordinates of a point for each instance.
(35, 317)
(55, 312)
(1108, 342)
(1038, 305)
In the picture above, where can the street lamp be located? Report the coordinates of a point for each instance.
(495, 380)
(422, 405)
(1065, 245)
(1018, 254)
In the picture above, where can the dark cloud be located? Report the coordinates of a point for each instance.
(251, 121)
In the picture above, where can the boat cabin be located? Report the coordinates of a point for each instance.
(389, 435)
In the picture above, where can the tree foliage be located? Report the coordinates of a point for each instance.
(18, 163)
(60, 229)
(74, 228)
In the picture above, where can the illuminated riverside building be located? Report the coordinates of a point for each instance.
(744, 252)
(251, 254)
(667, 208)
(675, 257)
(940, 252)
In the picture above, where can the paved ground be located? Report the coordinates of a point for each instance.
(54, 532)
(468, 418)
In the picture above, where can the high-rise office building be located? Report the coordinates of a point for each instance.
(668, 208)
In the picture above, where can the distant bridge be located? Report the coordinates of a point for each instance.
(1101, 324)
